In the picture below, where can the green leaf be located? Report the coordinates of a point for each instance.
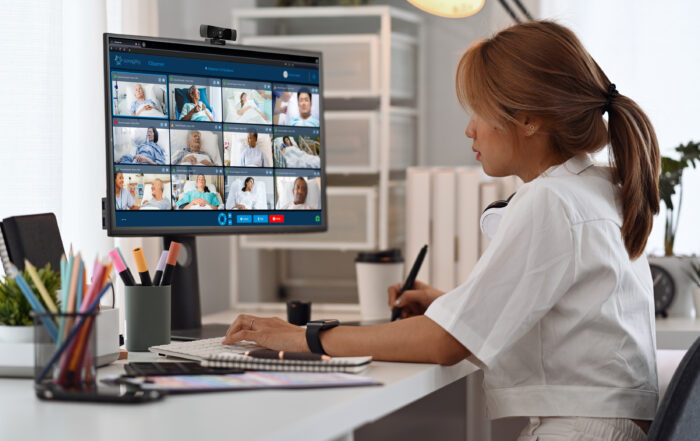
(14, 307)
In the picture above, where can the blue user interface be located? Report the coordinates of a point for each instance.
(206, 137)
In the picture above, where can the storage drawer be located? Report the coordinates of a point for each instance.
(353, 137)
(352, 63)
(351, 225)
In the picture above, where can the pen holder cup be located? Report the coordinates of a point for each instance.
(76, 367)
(376, 272)
(147, 317)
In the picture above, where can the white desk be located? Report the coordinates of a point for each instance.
(676, 333)
(322, 414)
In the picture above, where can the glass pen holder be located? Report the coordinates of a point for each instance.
(65, 350)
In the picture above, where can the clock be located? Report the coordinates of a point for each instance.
(664, 289)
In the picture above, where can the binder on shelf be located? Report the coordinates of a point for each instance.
(467, 221)
(442, 257)
(418, 213)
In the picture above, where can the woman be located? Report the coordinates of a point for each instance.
(148, 152)
(141, 104)
(249, 112)
(124, 199)
(195, 110)
(558, 312)
(199, 198)
(242, 199)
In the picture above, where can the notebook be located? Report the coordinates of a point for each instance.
(241, 361)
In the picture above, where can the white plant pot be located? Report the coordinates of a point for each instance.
(16, 334)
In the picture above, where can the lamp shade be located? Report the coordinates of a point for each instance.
(449, 8)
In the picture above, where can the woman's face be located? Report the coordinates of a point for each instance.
(287, 141)
(119, 180)
(494, 147)
(244, 98)
(249, 184)
(138, 91)
(201, 182)
(151, 135)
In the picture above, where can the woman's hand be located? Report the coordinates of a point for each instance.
(273, 333)
(241, 207)
(413, 301)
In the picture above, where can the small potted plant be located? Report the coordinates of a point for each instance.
(16, 323)
(672, 274)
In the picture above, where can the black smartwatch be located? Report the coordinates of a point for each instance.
(313, 330)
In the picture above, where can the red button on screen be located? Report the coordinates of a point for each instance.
(276, 219)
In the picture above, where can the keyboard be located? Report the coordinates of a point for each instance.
(198, 350)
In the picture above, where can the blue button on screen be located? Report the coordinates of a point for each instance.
(244, 219)
(260, 219)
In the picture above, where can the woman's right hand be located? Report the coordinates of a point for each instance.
(413, 301)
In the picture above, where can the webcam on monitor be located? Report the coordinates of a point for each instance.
(217, 35)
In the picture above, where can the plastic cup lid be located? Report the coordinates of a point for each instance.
(387, 256)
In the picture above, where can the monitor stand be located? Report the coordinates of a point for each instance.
(185, 308)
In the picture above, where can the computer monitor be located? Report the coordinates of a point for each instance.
(211, 139)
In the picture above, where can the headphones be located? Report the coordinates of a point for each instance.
(491, 217)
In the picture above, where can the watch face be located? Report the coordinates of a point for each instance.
(664, 288)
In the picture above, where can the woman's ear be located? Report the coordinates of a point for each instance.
(530, 125)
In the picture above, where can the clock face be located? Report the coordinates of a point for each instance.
(664, 288)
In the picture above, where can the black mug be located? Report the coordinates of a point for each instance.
(298, 313)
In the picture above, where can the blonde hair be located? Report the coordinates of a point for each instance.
(541, 69)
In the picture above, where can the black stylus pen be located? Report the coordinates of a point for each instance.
(282, 355)
(410, 280)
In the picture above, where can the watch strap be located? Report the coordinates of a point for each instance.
(313, 338)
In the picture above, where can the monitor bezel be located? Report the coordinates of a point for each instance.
(113, 230)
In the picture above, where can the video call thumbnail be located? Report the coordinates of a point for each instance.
(296, 105)
(138, 191)
(247, 102)
(147, 144)
(142, 95)
(248, 149)
(298, 193)
(195, 99)
(195, 146)
(198, 191)
(297, 151)
(250, 190)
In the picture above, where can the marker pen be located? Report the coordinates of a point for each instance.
(160, 267)
(170, 263)
(141, 267)
(121, 268)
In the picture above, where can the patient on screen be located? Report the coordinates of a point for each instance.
(195, 110)
(193, 154)
(158, 201)
(147, 152)
(143, 105)
(299, 192)
(243, 198)
(198, 198)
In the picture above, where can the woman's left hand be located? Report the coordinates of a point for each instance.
(273, 333)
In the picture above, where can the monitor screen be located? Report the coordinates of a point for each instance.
(207, 139)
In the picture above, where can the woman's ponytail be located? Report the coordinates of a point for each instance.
(636, 166)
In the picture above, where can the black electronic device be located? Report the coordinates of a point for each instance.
(313, 331)
(33, 237)
(664, 289)
(194, 147)
(217, 35)
(104, 393)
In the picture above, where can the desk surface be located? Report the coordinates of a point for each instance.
(320, 414)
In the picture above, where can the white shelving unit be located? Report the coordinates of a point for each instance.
(373, 129)
(384, 66)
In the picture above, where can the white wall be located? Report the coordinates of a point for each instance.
(651, 51)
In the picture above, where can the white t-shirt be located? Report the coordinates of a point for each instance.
(555, 312)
